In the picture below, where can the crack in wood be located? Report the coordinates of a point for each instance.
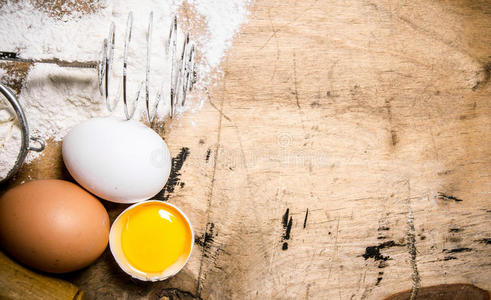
(393, 133)
(219, 110)
(445, 197)
(219, 132)
(287, 226)
(175, 293)
(305, 220)
(411, 244)
(206, 239)
(457, 250)
(295, 78)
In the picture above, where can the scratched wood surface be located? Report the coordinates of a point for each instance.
(345, 154)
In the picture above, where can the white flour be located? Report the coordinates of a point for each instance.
(55, 99)
(10, 137)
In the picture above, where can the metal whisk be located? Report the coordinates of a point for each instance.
(183, 75)
(182, 71)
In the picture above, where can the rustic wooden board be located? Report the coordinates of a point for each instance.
(372, 116)
(18, 282)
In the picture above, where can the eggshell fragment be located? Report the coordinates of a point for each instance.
(53, 225)
(117, 160)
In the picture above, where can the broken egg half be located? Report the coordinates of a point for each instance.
(151, 240)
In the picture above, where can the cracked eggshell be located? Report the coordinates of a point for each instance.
(118, 254)
(118, 160)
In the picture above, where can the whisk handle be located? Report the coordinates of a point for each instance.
(12, 56)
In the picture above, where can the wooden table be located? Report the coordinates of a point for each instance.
(345, 154)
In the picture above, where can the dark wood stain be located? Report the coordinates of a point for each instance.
(379, 278)
(455, 239)
(444, 197)
(305, 220)
(394, 138)
(285, 217)
(457, 250)
(288, 229)
(287, 222)
(486, 241)
(284, 246)
(206, 239)
(173, 293)
(175, 175)
(374, 251)
(457, 291)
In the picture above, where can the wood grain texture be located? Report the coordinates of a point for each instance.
(17, 282)
(372, 115)
(368, 115)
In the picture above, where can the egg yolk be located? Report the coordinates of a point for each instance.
(154, 237)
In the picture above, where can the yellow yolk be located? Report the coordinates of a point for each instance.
(154, 237)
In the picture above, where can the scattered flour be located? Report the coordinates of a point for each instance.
(55, 99)
(10, 137)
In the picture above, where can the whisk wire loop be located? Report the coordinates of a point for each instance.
(129, 114)
(182, 69)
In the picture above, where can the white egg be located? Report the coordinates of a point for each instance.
(120, 161)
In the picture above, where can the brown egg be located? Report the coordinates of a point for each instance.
(53, 225)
